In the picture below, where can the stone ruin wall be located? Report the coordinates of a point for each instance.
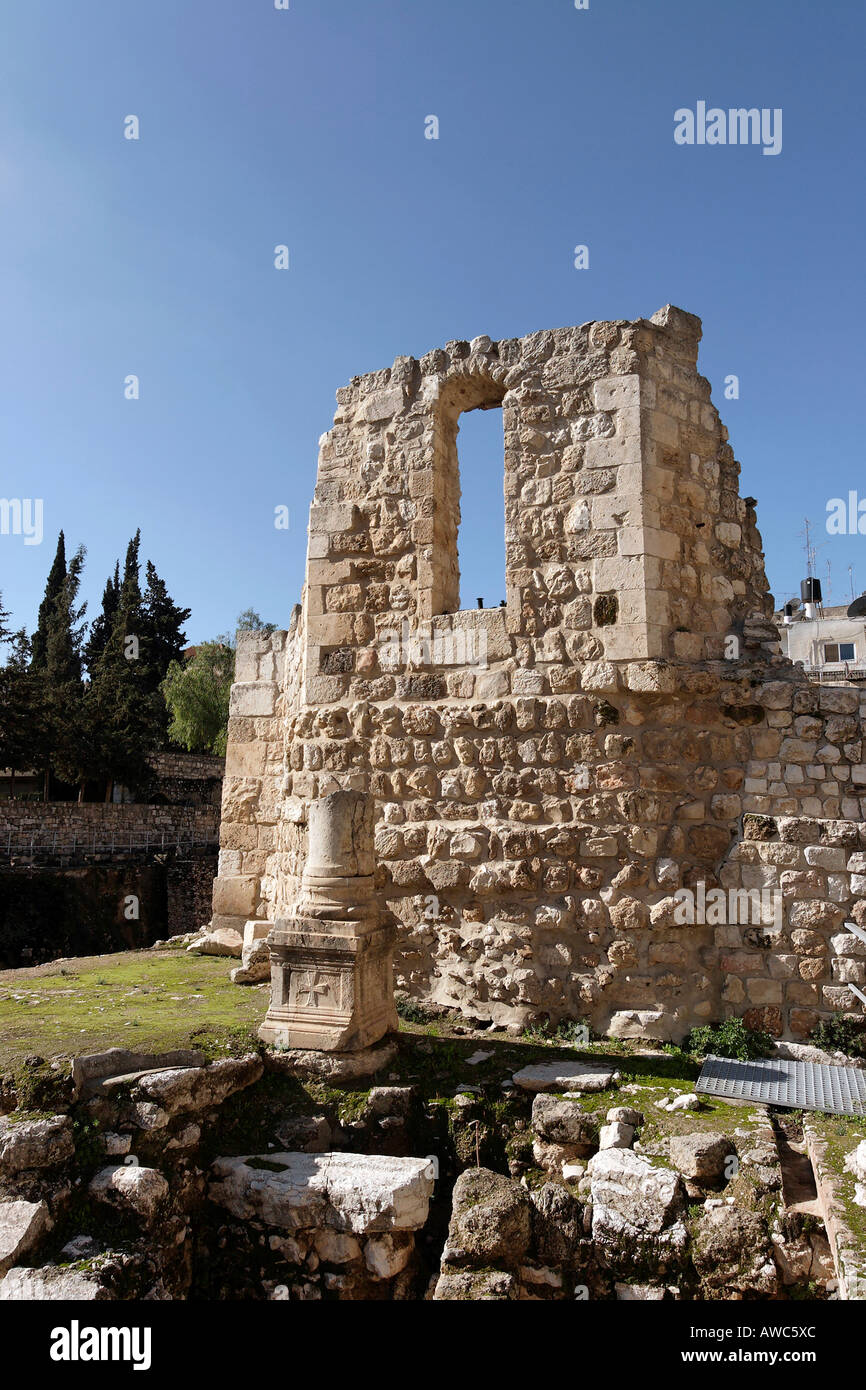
(536, 815)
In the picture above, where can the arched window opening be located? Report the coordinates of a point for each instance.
(481, 534)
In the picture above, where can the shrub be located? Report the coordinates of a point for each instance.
(729, 1039)
(414, 1011)
(840, 1034)
(570, 1032)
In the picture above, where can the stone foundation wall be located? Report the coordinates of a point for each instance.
(548, 774)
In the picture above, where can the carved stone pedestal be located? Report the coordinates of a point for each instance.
(332, 982)
(329, 990)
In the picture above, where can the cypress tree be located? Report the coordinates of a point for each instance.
(124, 711)
(24, 723)
(64, 633)
(163, 627)
(55, 656)
(103, 624)
(56, 578)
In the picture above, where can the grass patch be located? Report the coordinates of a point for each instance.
(144, 1000)
(842, 1134)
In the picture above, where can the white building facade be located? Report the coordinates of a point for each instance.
(831, 645)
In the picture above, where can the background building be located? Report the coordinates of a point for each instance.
(831, 646)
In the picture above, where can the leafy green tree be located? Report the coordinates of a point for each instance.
(197, 696)
(20, 649)
(197, 690)
(249, 621)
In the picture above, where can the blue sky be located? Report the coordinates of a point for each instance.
(306, 127)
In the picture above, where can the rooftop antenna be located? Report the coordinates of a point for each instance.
(810, 551)
(829, 585)
(851, 580)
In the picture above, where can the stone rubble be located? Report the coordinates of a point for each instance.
(350, 1197)
(565, 1076)
(27, 1144)
(22, 1226)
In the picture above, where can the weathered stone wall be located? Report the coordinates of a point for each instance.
(190, 767)
(549, 773)
(99, 823)
(255, 785)
(183, 779)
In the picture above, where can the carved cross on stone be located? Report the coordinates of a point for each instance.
(313, 987)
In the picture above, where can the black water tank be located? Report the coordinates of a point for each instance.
(810, 590)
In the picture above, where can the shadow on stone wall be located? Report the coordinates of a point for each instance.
(49, 912)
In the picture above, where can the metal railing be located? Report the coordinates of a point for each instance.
(55, 845)
(850, 671)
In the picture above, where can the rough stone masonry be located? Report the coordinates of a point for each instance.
(548, 774)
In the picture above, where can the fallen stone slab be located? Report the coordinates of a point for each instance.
(732, 1252)
(252, 974)
(22, 1225)
(391, 1102)
(643, 1023)
(624, 1115)
(639, 1293)
(806, 1052)
(477, 1058)
(28, 1144)
(360, 1193)
(683, 1102)
(185, 1089)
(616, 1135)
(565, 1076)
(50, 1283)
(387, 1256)
(309, 1134)
(255, 956)
(90, 1070)
(557, 1223)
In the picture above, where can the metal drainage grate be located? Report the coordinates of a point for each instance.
(794, 1085)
